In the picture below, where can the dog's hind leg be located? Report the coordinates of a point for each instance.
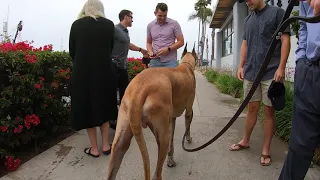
(120, 146)
(170, 160)
(162, 132)
(188, 119)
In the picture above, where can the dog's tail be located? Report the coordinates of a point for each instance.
(135, 114)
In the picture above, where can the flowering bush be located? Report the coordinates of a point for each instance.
(135, 66)
(33, 83)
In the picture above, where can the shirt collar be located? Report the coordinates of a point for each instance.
(122, 27)
(262, 10)
(167, 21)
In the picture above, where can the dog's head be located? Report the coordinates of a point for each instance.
(189, 57)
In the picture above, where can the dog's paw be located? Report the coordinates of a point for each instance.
(170, 162)
(189, 139)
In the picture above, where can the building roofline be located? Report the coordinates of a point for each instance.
(221, 12)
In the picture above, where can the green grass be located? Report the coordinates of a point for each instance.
(225, 82)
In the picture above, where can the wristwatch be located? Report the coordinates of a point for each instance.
(169, 49)
(139, 49)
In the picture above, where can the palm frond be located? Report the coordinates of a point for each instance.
(193, 16)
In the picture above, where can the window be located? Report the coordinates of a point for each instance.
(227, 36)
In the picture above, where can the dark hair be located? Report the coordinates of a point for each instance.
(162, 6)
(124, 13)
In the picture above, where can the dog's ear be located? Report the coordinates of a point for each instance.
(193, 50)
(194, 54)
(185, 50)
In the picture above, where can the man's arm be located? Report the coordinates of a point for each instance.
(303, 34)
(149, 40)
(179, 36)
(133, 47)
(285, 41)
(315, 4)
(243, 53)
(285, 50)
(279, 75)
(244, 47)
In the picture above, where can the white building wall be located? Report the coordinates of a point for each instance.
(227, 62)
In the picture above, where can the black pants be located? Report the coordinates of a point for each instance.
(122, 81)
(305, 132)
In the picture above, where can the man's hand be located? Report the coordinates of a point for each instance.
(315, 4)
(152, 55)
(163, 51)
(144, 52)
(279, 75)
(240, 74)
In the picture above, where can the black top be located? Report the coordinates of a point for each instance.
(93, 88)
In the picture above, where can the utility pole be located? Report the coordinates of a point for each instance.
(5, 36)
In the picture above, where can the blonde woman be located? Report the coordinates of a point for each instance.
(93, 89)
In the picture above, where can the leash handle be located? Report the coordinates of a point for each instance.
(285, 22)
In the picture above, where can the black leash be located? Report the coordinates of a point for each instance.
(286, 21)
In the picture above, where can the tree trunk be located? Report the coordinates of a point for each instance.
(212, 45)
(199, 35)
(203, 41)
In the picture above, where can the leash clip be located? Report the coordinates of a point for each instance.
(279, 35)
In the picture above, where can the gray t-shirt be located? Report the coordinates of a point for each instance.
(259, 27)
(121, 46)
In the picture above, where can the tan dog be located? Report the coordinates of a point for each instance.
(154, 98)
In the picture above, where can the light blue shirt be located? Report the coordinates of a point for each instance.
(309, 35)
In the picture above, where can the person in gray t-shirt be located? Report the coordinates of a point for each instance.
(259, 27)
(121, 48)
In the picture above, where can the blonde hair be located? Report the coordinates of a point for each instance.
(92, 8)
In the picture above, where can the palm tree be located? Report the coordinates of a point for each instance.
(204, 15)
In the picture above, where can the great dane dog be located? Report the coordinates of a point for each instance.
(154, 99)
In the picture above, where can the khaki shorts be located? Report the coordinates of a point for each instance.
(261, 93)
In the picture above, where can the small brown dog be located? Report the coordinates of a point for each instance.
(154, 99)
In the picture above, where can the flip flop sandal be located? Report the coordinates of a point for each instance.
(241, 147)
(264, 158)
(107, 152)
(89, 152)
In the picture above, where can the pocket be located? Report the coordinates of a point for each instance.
(267, 28)
(297, 78)
(299, 63)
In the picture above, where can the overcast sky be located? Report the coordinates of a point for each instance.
(49, 21)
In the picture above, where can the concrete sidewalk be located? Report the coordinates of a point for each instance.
(212, 111)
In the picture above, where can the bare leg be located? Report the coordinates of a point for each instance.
(170, 160)
(105, 136)
(92, 133)
(251, 120)
(269, 128)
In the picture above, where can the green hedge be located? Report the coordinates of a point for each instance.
(228, 84)
(33, 91)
